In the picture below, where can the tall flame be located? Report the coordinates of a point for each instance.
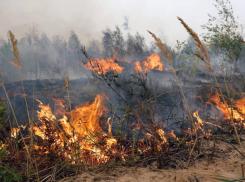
(82, 130)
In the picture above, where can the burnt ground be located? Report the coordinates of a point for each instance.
(225, 163)
(85, 89)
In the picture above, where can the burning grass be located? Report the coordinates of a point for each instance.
(66, 144)
(69, 140)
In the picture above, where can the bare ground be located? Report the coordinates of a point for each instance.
(220, 161)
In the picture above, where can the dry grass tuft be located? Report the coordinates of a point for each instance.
(208, 67)
(165, 53)
(17, 63)
(204, 57)
(162, 48)
(67, 82)
(15, 49)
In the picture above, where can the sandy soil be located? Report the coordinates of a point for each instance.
(224, 164)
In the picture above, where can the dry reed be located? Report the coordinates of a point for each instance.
(17, 62)
(208, 67)
(165, 53)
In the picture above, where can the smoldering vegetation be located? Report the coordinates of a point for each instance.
(73, 107)
(45, 63)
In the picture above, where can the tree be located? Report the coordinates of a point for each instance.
(32, 38)
(118, 42)
(94, 48)
(60, 47)
(108, 43)
(184, 57)
(223, 35)
(74, 46)
(136, 45)
(5, 58)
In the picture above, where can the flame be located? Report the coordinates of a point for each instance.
(238, 110)
(138, 66)
(109, 127)
(161, 133)
(173, 135)
(153, 62)
(163, 141)
(200, 124)
(14, 132)
(102, 66)
(45, 112)
(81, 130)
(59, 108)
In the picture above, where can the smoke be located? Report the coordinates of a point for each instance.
(89, 18)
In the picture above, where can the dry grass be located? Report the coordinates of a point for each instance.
(167, 154)
(17, 62)
(16, 58)
(165, 53)
(208, 67)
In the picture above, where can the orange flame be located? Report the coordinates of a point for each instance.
(153, 62)
(200, 123)
(238, 110)
(109, 127)
(83, 129)
(15, 132)
(102, 66)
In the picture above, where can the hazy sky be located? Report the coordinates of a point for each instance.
(89, 17)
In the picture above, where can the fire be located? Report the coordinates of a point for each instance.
(115, 57)
(153, 62)
(102, 66)
(77, 136)
(15, 132)
(173, 135)
(81, 132)
(59, 108)
(138, 66)
(200, 124)
(237, 112)
(109, 127)
(161, 133)
(45, 112)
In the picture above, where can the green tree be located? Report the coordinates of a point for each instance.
(223, 36)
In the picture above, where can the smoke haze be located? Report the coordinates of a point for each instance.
(89, 18)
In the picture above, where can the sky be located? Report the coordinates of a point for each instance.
(88, 18)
